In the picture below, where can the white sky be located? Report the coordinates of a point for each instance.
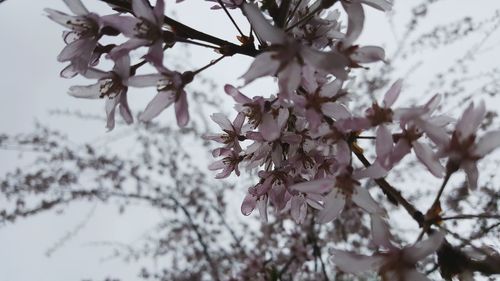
(30, 85)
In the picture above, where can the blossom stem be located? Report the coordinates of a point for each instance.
(292, 13)
(187, 41)
(465, 241)
(215, 272)
(187, 32)
(366, 137)
(213, 62)
(230, 17)
(441, 189)
(305, 19)
(472, 216)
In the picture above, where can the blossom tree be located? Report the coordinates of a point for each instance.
(319, 158)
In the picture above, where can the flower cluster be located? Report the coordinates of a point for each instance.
(302, 139)
(144, 29)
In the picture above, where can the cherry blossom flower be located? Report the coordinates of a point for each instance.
(286, 56)
(415, 121)
(356, 17)
(393, 263)
(229, 163)
(170, 86)
(260, 113)
(378, 116)
(256, 197)
(300, 201)
(322, 101)
(111, 85)
(232, 131)
(81, 40)
(143, 30)
(462, 150)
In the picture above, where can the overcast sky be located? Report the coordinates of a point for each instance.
(30, 86)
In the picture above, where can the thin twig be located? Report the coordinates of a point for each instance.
(213, 267)
(230, 17)
(441, 189)
(213, 62)
(187, 32)
(292, 13)
(470, 216)
(305, 19)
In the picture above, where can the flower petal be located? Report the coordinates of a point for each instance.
(262, 206)
(289, 79)
(489, 142)
(384, 144)
(86, 92)
(355, 263)
(298, 209)
(181, 110)
(268, 127)
(122, 67)
(261, 25)
(248, 204)
(76, 7)
(426, 156)
(472, 173)
(331, 62)
(79, 52)
(380, 231)
(383, 5)
(162, 100)
(335, 110)
(471, 119)
(368, 54)
(356, 19)
(142, 9)
(423, 248)
(263, 65)
(110, 107)
(146, 80)
(393, 93)
(222, 120)
(334, 204)
(125, 109)
(315, 186)
(159, 11)
(364, 200)
(236, 95)
(155, 53)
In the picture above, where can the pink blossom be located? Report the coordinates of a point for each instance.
(356, 17)
(286, 57)
(229, 163)
(170, 86)
(261, 113)
(256, 197)
(393, 263)
(143, 30)
(343, 186)
(305, 194)
(232, 131)
(462, 150)
(85, 31)
(111, 85)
